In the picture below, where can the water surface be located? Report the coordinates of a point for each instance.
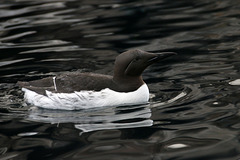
(194, 110)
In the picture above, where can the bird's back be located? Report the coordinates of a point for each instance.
(70, 82)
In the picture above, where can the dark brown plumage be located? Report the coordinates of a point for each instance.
(127, 75)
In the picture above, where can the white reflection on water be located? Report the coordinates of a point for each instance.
(235, 82)
(93, 119)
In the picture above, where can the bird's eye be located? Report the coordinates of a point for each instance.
(137, 58)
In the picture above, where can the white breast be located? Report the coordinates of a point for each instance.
(87, 99)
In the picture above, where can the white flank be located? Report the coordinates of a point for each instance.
(87, 99)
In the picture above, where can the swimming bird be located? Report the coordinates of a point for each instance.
(75, 90)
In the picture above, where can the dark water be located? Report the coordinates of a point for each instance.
(195, 111)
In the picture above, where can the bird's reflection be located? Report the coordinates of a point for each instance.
(97, 119)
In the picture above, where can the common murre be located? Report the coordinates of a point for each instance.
(73, 91)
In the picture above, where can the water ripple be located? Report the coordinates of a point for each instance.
(195, 95)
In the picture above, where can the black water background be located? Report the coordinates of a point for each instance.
(40, 38)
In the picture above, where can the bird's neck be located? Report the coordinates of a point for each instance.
(128, 83)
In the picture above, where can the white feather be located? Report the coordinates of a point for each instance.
(87, 99)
